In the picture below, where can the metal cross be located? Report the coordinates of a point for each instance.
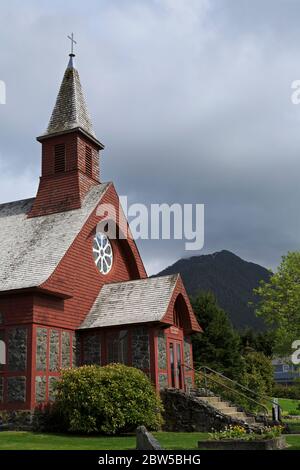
(72, 43)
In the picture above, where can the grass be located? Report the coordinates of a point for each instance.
(180, 440)
(19, 440)
(288, 405)
(294, 442)
(13, 440)
(294, 425)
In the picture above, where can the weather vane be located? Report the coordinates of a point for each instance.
(72, 44)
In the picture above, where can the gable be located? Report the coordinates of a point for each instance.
(140, 301)
(31, 248)
(136, 301)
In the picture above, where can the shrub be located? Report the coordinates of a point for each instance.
(47, 417)
(256, 374)
(287, 391)
(111, 399)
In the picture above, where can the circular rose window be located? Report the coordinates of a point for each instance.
(102, 252)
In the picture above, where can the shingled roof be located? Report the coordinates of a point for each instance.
(139, 301)
(31, 248)
(70, 111)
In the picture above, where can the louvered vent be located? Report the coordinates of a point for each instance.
(59, 158)
(88, 161)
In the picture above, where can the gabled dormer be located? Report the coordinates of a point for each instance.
(70, 151)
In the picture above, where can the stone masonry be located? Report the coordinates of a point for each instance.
(185, 413)
(16, 389)
(92, 349)
(140, 348)
(54, 351)
(17, 349)
(41, 349)
(40, 389)
(65, 350)
(162, 351)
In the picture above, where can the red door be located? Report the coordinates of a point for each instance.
(175, 371)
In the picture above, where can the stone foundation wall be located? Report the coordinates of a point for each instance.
(185, 413)
(16, 420)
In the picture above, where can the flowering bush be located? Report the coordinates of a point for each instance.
(230, 432)
(238, 432)
(269, 432)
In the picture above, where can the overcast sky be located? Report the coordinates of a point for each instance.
(192, 99)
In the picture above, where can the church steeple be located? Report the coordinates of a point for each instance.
(70, 111)
(70, 150)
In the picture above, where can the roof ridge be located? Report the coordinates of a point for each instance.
(17, 201)
(175, 275)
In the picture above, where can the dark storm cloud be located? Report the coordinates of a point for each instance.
(191, 98)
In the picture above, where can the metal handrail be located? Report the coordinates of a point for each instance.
(205, 368)
(264, 397)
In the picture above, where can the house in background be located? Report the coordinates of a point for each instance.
(68, 293)
(284, 371)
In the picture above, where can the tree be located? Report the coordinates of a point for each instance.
(262, 341)
(279, 302)
(218, 347)
(258, 375)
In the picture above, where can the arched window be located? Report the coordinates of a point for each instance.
(177, 317)
(181, 317)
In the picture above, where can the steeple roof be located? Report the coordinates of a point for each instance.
(70, 111)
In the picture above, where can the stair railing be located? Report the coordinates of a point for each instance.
(203, 370)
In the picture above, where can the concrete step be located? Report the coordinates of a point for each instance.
(250, 420)
(226, 406)
(210, 400)
(228, 409)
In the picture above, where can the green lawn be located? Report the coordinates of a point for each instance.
(294, 425)
(36, 441)
(11, 440)
(294, 442)
(288, 405)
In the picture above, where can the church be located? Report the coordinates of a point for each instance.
(70, 295)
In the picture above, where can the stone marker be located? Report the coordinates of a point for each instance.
(145, 440)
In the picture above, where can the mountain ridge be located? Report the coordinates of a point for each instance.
(229, 277)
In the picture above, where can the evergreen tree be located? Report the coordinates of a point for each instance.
(263, 342)
(218, 347)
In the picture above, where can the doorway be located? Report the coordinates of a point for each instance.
(175, 365)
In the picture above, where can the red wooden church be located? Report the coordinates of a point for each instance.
(69, 295)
